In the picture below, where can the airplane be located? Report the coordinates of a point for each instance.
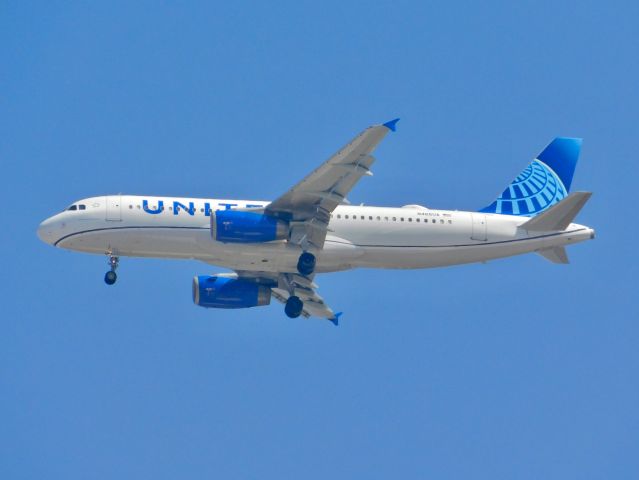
(276, 248)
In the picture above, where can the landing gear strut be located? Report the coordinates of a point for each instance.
(294, 306)
(306, 263)
(110, 277)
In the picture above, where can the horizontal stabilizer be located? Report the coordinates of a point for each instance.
(555, 254)
(560, 215)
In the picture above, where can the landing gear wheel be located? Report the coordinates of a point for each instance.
(110, 277)
(293, 308)
(306, 263)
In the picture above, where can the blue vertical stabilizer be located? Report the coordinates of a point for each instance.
(543, 182)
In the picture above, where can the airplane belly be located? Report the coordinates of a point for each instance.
(444, 255)
(266, 257)
(338, 254)
(138, 242)
(196, 243)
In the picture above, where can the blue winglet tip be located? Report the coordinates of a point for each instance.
(335, 319)
(392, 125)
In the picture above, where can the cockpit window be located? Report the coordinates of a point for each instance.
(77, 207)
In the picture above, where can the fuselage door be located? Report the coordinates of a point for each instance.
(479, 227)
(114, 208)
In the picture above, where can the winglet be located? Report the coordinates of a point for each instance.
(335, 319)
(392, 125)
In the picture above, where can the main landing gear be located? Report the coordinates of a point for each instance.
(110, 277)
(305, 267)
(294, 306)
(306, 263)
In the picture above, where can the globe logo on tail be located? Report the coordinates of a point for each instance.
(543, 183)
(533, 191)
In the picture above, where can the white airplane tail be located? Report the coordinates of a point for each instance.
(560, 215)
(555, 219)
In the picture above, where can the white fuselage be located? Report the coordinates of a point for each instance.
(358, 236)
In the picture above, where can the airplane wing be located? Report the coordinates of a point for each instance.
(307, 208)
(283, 285)
(308, 205)
(314, 305)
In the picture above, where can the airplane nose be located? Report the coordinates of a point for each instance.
(45, 231)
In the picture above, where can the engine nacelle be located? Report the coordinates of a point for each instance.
(220, 291)
(232, 226)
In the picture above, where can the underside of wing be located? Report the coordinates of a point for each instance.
(314, 305)
(285, 285)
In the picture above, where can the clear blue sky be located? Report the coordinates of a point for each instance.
(513, 369)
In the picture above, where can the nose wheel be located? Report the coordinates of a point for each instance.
(110, 277)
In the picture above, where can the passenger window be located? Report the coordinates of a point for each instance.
(386, 218)
(346, 217)
(417, 220)
(402, 219)
(410, 219)
(450, 221)
(434, 221)
(339, 216)
(441, 221)
(394, 219)
(370, 218)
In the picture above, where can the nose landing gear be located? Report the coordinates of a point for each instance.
(110, 277)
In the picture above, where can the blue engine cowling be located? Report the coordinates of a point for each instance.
(232, 226)
(229, 292)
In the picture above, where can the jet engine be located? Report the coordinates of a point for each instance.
(220, 291)
(232, 226)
